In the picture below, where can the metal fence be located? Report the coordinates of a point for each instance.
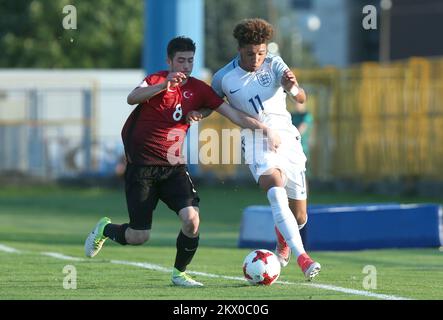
(378, 121)
(42, 131)
(371, 121)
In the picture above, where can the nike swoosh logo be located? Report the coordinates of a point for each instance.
(233, 91)
(190, 250)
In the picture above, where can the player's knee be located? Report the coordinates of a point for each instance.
(190, 221)
(190, 226)
(137, 237)
(277, 195)
(140, 239)
(271, 179)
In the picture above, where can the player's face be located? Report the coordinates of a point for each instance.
(252, 56)
(182, 62)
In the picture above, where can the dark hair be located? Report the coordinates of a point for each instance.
(180, 44)
(253, 31)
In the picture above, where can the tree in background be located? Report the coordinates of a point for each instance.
(222, 16)
(109, 34)
(220, 20)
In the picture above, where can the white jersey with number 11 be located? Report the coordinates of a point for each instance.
(258, 93)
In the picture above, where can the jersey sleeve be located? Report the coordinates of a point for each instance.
(153, 79)
(143, 83)
(216, 83)
(278, 68)
(217, 80)
(211, 99)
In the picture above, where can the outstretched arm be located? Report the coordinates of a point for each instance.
(141, 94)
(243, 120)
(239, 118)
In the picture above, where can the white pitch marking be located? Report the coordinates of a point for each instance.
(347, 290)
(8, 249)
(156, 267)
(143, 265)
(61, 256)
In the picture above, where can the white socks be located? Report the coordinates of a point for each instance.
(285, 220)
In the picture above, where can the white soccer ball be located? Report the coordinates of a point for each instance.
(261, 267)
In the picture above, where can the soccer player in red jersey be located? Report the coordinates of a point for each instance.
(153, 135)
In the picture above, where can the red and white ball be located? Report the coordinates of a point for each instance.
(261, 267)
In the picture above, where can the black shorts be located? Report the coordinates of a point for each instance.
(145, 185)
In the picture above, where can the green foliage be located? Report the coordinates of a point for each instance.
(108, 35)
(222, 16)
(220, 20)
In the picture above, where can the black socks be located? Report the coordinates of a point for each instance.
(116, 232)
(186, 248)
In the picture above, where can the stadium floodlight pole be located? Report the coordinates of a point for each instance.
(385, 30)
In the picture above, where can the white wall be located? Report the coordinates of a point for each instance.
(111, 88)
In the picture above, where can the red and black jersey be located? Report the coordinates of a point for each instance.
(154, 132)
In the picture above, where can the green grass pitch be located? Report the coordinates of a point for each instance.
(35, 221)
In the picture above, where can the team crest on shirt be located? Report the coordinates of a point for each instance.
(187, 94)
(264, 78)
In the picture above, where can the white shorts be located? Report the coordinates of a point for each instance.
(289, 158)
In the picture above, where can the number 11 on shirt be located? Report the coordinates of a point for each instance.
(257, 97)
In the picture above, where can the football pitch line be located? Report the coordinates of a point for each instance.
(155, 267)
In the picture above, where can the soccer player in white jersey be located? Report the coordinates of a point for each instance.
(257, 83)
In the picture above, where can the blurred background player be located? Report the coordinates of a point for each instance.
(255, 82)
(153, 136)
(303, 120)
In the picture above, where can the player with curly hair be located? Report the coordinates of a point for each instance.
(257, 83)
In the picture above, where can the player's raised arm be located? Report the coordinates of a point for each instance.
(145, 92)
